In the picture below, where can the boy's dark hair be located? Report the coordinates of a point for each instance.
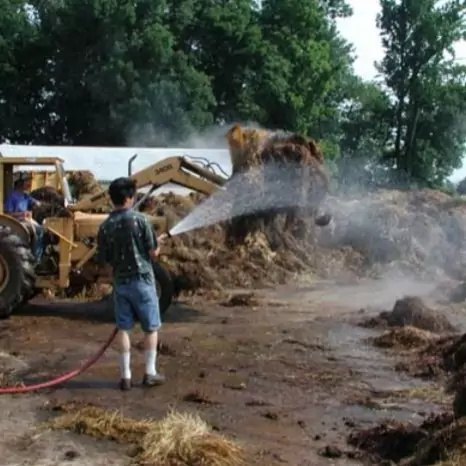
(121, 189)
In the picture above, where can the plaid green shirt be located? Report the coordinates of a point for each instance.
(124, 241)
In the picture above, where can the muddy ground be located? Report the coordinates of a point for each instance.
(288, 373)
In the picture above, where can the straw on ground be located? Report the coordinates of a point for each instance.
(178, 439)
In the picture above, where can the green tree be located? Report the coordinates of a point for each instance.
(223, 40)
(102, 72)
(303, 67)
(21, 77)
(365, 129)
(336, 8)
(113, 69)
(428, 89)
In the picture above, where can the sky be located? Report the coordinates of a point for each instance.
(360, 30)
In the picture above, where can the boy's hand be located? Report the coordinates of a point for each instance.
(162, 237)
(154, 253)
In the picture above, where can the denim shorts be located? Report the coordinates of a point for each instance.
(136, 300)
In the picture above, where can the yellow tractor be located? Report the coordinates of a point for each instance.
(70, 234)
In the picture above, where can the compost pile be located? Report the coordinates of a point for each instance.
(422, 232)
(203, 260)
(419, 231)
(261, 249)
(430, 347)
(440, 439)
(272, 164)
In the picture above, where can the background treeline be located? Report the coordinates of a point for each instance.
(109, 72)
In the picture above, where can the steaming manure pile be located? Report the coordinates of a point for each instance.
(286, 173)
(420, 231)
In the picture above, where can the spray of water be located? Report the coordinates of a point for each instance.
(241, 197)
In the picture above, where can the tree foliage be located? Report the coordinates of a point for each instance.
(427, 88)
(145, 72)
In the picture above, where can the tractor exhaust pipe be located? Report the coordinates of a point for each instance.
(130, 164)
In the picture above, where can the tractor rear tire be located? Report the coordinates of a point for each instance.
(17, 274)
(165, 287)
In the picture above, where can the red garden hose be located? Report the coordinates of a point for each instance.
(64, 377)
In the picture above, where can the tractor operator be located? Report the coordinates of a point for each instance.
(127, 242)
(19, 205)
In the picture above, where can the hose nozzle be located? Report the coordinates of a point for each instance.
(164, 236)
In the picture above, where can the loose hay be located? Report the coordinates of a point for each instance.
(179, 439)
(97, 422)
(185, 439)
(445, 356)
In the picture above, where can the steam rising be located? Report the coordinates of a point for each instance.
(394, 233)
(213, 137)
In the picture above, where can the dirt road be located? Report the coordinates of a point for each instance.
(287, 373)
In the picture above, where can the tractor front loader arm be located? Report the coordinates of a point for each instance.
(177, 170)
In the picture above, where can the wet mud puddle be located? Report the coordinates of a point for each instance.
(375, 391)
(383, 385)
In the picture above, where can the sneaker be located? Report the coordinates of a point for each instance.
(153, 380)
(125, 384)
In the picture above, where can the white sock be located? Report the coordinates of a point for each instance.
(125, 365)
(150, 357)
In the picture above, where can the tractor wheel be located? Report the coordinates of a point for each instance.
(165, 287)
(17, 275)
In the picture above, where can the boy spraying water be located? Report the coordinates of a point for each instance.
(127, 242)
